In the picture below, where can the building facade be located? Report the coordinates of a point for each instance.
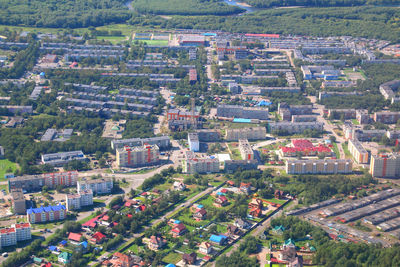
(385, 165)
(163, 142)
(358, 152)
(295, 127)
(98, 186)
(193, 141)
(192, 164)
(17, 232)
(46, 214)
(327, 166)
(245, 149)
(18, 201)
(77, 201)
(138, 156)
(31, 183)
(253, 133)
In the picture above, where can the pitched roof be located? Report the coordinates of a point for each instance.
(74, 237)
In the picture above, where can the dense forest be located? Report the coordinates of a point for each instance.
(187, 7)
(62, 14)
(369, 22)
(318, 3)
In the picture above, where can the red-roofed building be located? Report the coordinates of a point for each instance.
(305, 148)
(178, 230)
(121, 260)
(74, 237)
(230, 183)
(97, 238)
(255, 212)
(221, 201)
(200, 214)
(245, 187)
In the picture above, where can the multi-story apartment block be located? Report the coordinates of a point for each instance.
(208, 135)
(46, 214)
(303, 118)
(138, 156)
(77, 201)
(388, 90)
(61, 158)
(385, 165)
(233, 111)
(193, 141)
(18, 201)
(359, 153)
(287, 111)
(199, 165)
(98, 186)
(176, 114)
(245, 149)
(253, 133)
(362, 116)
(163, 142)
(327, 166)
(386, 117)
(295, 127)
(32, 183)
(17, 232)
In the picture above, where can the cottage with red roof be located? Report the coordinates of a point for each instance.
(220, 201)
(245, 188)
(200, 214)
(178, 230)
(97, 238)
(75, 238)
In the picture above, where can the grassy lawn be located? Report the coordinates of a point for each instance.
(208, 202)
(346, 150)
(87, 218)
(235, 154)
(156, 42)
(6, 166)
(336, 150)
(276, 201)
(355, 122)
(172, 258)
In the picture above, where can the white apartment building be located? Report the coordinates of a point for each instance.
(98, 186)
(77, 201)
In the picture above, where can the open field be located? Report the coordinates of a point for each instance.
(6, 166)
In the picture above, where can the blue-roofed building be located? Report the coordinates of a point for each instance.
(218, 239)
(46, 214)
(63, 242)
(170, 265)
(53, 248)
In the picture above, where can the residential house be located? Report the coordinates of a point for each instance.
(155, 243)
(218, 239)
(279, 229)
(97, 238)
(256, 203)
(64, 257)
(205, 248)
(245, 188)
(74, 238)
(234, 230)
(242, 224)
(179, 186)
(279, 194)
(178, 230)
(221, 201)
(200, 214)
(189, 258)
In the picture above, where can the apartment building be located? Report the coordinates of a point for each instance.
(387, 117)
(295, 127)
(287, 111)
(326, 166)
(362, 116)
(234, 111)
(138, 156)
(61, 158)
(46, 214)
(163, 142)
(388, 90)
(303, 118)
(208, 135)
(385, 165)
(358, 152)
(98, 186)
(31, 183)
(193, 141)
(77, 201)
(253, 133)
(192, 164)
(245, 149)
(18, 201)
(17, 232)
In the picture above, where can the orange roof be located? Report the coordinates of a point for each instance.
(74, 237)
